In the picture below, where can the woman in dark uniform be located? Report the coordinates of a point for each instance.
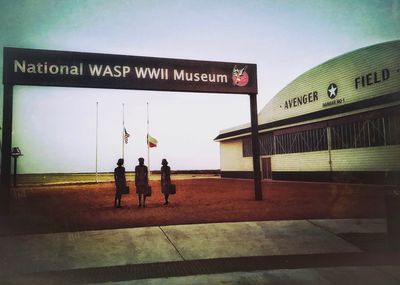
(141, 181)
(165, 179)
(120, 182)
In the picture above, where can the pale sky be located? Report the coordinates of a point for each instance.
(55, 127)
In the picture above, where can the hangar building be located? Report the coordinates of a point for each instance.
(339, 121)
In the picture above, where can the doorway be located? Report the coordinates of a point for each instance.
(266, 168)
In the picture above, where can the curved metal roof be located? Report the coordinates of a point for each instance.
(360, 79)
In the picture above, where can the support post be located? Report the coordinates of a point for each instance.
(255, 147)
(15, 171)
(6, 150)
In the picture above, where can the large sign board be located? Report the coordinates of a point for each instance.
(78, 69)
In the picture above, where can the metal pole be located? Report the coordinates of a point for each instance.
(123, 131)
(6, 150)
(97, 140)
(255, 147)
(329, 138)
(148, 148)
(15, 171)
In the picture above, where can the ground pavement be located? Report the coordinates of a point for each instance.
(343, 251)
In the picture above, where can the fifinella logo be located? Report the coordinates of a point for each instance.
(239, 76)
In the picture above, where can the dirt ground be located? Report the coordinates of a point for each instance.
(61, 208)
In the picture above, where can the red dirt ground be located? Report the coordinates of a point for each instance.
(91, 206)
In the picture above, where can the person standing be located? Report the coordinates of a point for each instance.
(141, 182)
(120, 182)
(165, 180)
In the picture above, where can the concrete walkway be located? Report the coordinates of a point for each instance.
(291, 252)
(377, 275)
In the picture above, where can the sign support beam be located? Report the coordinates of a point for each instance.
(6, 150)
(255, 147)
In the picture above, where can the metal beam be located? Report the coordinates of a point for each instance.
(6, 150)
(255, 147)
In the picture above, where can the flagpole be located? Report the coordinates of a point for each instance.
(148, 148)
(97, 139)
(123, 130)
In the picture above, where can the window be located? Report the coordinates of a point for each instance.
(303, 141)
(247, 148)
(392, 129)
(371, 129)
(300, 141)
(378, 131)
(266, 145)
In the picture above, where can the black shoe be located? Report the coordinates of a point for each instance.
(119, 206)
(139, 206)
(166, 203)
(144, 206)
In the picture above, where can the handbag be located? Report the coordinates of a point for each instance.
(147, 193)
(125, 190)
(172, 189)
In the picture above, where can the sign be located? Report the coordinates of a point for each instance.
(78, 69)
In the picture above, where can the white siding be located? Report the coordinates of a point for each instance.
(232, 157)
(308, 161)
(382, 158)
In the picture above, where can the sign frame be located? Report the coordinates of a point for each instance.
(39, 67)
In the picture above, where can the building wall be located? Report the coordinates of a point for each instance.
(367, 92)
(377, 165)
(307, 161)
(381, 158)
(232, 157)
(357, 148)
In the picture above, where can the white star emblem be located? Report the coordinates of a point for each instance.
(332, 90)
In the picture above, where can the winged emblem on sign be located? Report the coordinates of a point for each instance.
(239, 76)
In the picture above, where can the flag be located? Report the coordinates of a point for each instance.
(126, 136)
(152, 142)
